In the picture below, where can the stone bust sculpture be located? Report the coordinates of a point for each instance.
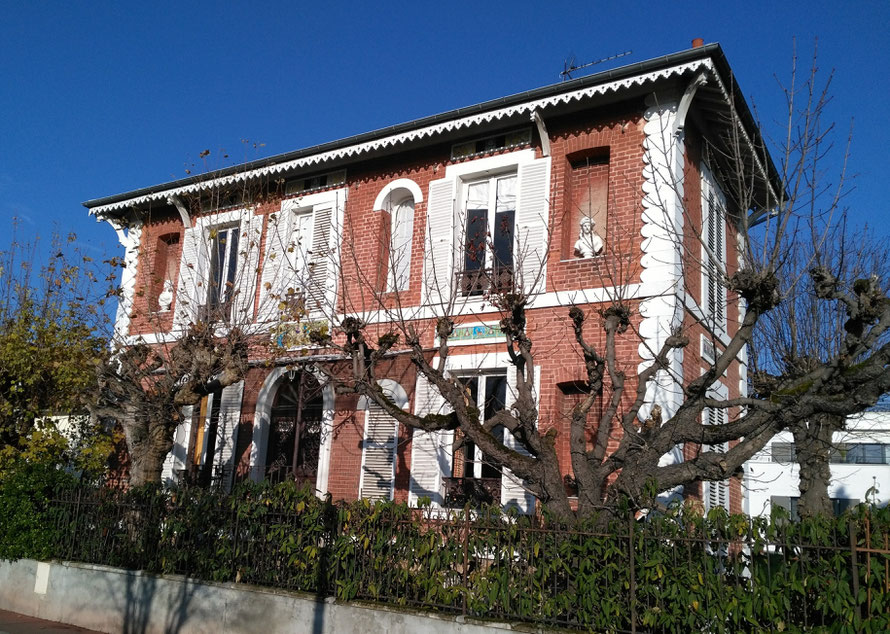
(165, 299)
(589, 243)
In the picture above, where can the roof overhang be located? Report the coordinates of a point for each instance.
(720, 100)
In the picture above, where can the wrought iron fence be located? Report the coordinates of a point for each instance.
(639, 576)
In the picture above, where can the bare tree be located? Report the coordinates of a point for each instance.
(787, 248)
(187, 317)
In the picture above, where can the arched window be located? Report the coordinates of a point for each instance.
(295, 429)
(398, 268)
(398, 199)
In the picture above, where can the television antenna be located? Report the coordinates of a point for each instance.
(570, 67)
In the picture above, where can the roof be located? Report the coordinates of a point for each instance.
(709, 57)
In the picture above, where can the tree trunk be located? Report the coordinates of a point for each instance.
(148, 445)
(812, 443)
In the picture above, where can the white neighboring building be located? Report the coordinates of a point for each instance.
(860, 467)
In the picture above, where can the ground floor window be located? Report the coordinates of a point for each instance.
(295, 430)
(474, 478)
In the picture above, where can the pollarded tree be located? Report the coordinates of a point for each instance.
(644, 414)
(185, 321)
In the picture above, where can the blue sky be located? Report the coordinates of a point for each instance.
(100, 98)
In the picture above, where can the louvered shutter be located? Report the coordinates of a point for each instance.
(378, 454)
(439, 243)
(248, 262)
(227, 431)
(321, 279)
(717, 492)
(274, 265)
(714, 237)
(191, 290)
(513, 493)
(175, 461)
(430, 451)
(532, 213)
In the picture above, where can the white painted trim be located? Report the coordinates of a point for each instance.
(322, 199)
(662, 278)
(490, 164)
(261, 419)
(393, 390)
(477, 307)
(352, 151)
(400, 183)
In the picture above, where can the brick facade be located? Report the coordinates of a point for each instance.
(596, 168)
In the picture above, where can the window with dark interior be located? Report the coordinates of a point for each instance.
(295, 430)
(487, 256)
(221, 284)
(475, 479)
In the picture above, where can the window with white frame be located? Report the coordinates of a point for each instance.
(488, 229)
(474, 479)
(221, 283)
(300, 255)
(713, 238)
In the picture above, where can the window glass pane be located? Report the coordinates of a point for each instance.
(233, 258)
(477, 195)
(477, 231)
(506, 194)
(503, 238)
(872, 453)
(495, 394)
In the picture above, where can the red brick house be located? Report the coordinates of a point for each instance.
(604, 186)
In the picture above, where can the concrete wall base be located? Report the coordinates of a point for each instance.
(114, 600)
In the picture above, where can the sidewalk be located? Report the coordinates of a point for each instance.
(12, 623)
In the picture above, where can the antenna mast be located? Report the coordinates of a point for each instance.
(569, 66)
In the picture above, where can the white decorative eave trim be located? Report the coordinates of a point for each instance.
(420, 133)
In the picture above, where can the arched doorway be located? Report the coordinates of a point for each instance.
(295, 430)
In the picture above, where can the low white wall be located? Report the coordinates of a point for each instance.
(114, 600)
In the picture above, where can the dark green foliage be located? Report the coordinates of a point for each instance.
(677, 573)
(27, 526)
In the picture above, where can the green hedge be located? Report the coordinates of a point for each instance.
(670, 573)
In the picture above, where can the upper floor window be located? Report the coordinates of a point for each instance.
(713, 238)
(489, 231)
(223, 272)
(401, 233)
(397, 201)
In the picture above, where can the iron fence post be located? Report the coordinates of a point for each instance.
(633, 576)
(854, 569)
(466, 540)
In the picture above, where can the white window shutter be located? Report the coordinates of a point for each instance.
(175, 460)
(274, 264)
(430, 451)
(713, 235)
(402, 230)
(248, 262)
(532, 213)
(191, 289)
(322, 277)
(513, 492)
(378, 454)
(439, 248)
(227, 431)
(716, 493)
